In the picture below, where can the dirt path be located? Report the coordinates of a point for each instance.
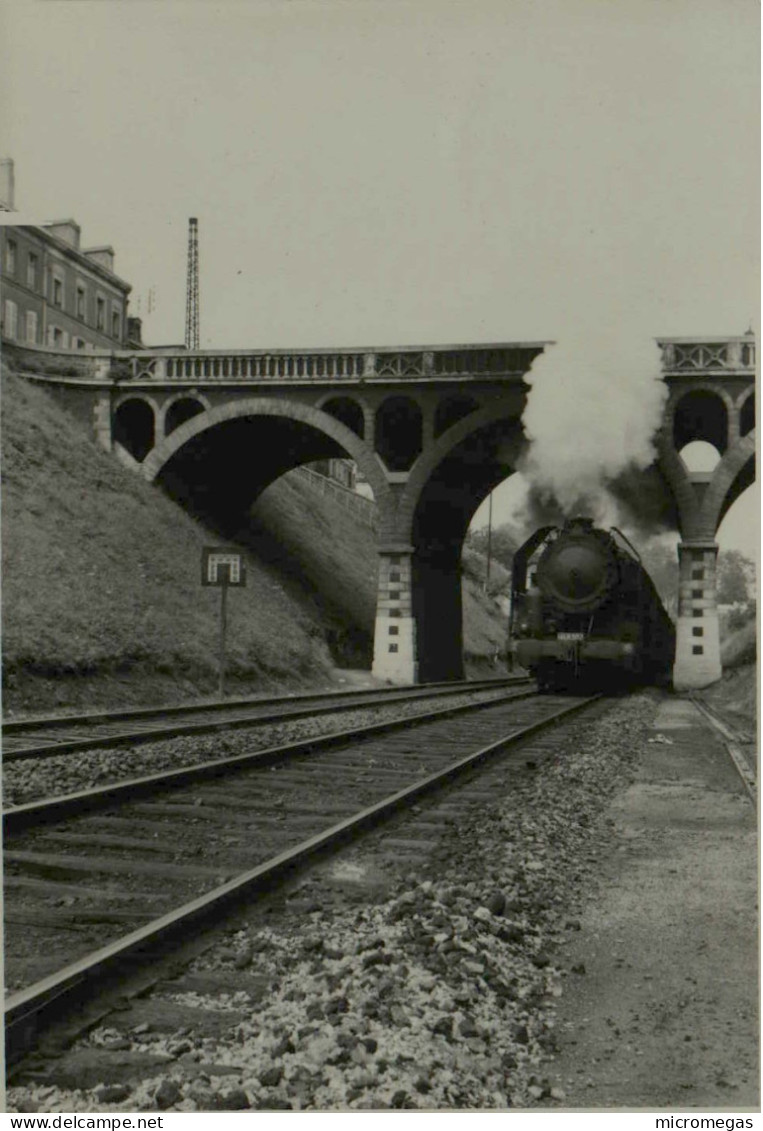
(663, 1010)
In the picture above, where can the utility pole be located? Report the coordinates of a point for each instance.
(192, 287)
(489, 537)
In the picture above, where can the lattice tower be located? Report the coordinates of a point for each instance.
(192, 287)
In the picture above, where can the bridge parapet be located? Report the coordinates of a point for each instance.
(681, 357)
(507, 361)
(503, 361)
(708, 356)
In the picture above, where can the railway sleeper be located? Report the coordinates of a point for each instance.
(70, 866)
(56, 888)
(104, 840)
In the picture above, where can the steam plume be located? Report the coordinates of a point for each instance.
(594, 407)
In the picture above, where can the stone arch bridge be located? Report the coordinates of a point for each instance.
(433, 430)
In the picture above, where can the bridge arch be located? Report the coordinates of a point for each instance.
(451, 409)
(747, 413)
(347, 410)
(181, 408)
(702, 414)
(425, 468)
(280, 409)
(135, 419)
(399, 431)
(734, 474)
(445, 487)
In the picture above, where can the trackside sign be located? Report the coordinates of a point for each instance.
(221, 566)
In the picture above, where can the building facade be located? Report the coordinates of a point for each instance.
(52, 293)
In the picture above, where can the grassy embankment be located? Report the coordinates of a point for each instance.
(101, 596)
(736, 696)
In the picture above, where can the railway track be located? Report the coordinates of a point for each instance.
(39, 737)
(741, 747)
(161, 856)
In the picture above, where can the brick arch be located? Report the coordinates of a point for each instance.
(428, 462)
(677, 394)
(186, 395)
(138, 442)
(398, 436)
(451, 408)
(744, 403)
(721, 493)
(337, 398)
(674, 470)
(726, 402)
(135, 395)
(267, 406)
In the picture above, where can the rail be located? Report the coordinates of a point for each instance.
(28, 1011)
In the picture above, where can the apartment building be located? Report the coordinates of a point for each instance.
(55, 293)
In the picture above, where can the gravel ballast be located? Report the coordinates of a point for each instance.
(434, 988)
(58, 774)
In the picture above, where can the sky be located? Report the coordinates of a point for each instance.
(385, 173)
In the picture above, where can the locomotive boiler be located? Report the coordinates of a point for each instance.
(585, 613)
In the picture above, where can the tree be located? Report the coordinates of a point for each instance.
(661, 563)
(735, 574)
(503, 543)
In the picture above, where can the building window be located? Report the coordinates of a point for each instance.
(100, 313)
(698, 575)
(699, 631)
(11, 319)
(393, 647)
(394, 592)
(393, 630)
(31, 326)
(697, 612)
(697, 650)
(31, 271)
(10, 257)
(58, 336)
(394, 612)
(58, 292)
(394, 575)
(697, 593)
(115, 323)
(81, 302)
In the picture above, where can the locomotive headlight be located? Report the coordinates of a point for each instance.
(628, 649)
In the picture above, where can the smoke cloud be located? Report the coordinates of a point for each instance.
(592, 413)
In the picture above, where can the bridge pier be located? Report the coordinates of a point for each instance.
(395, 628)
(698, 650)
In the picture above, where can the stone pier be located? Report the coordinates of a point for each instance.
(395, 628)
(698, 651)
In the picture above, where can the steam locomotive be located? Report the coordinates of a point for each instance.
(585, 613)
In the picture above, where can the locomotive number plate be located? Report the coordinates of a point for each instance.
(570, 636)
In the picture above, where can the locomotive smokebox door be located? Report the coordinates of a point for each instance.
(578, 570)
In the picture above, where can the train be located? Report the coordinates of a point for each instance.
(585, 613)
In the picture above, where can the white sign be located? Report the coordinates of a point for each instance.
(222, 567)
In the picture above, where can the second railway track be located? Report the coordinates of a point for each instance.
(160, 856)
(39, 737)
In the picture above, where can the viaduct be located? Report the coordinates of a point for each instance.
(434, 429)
